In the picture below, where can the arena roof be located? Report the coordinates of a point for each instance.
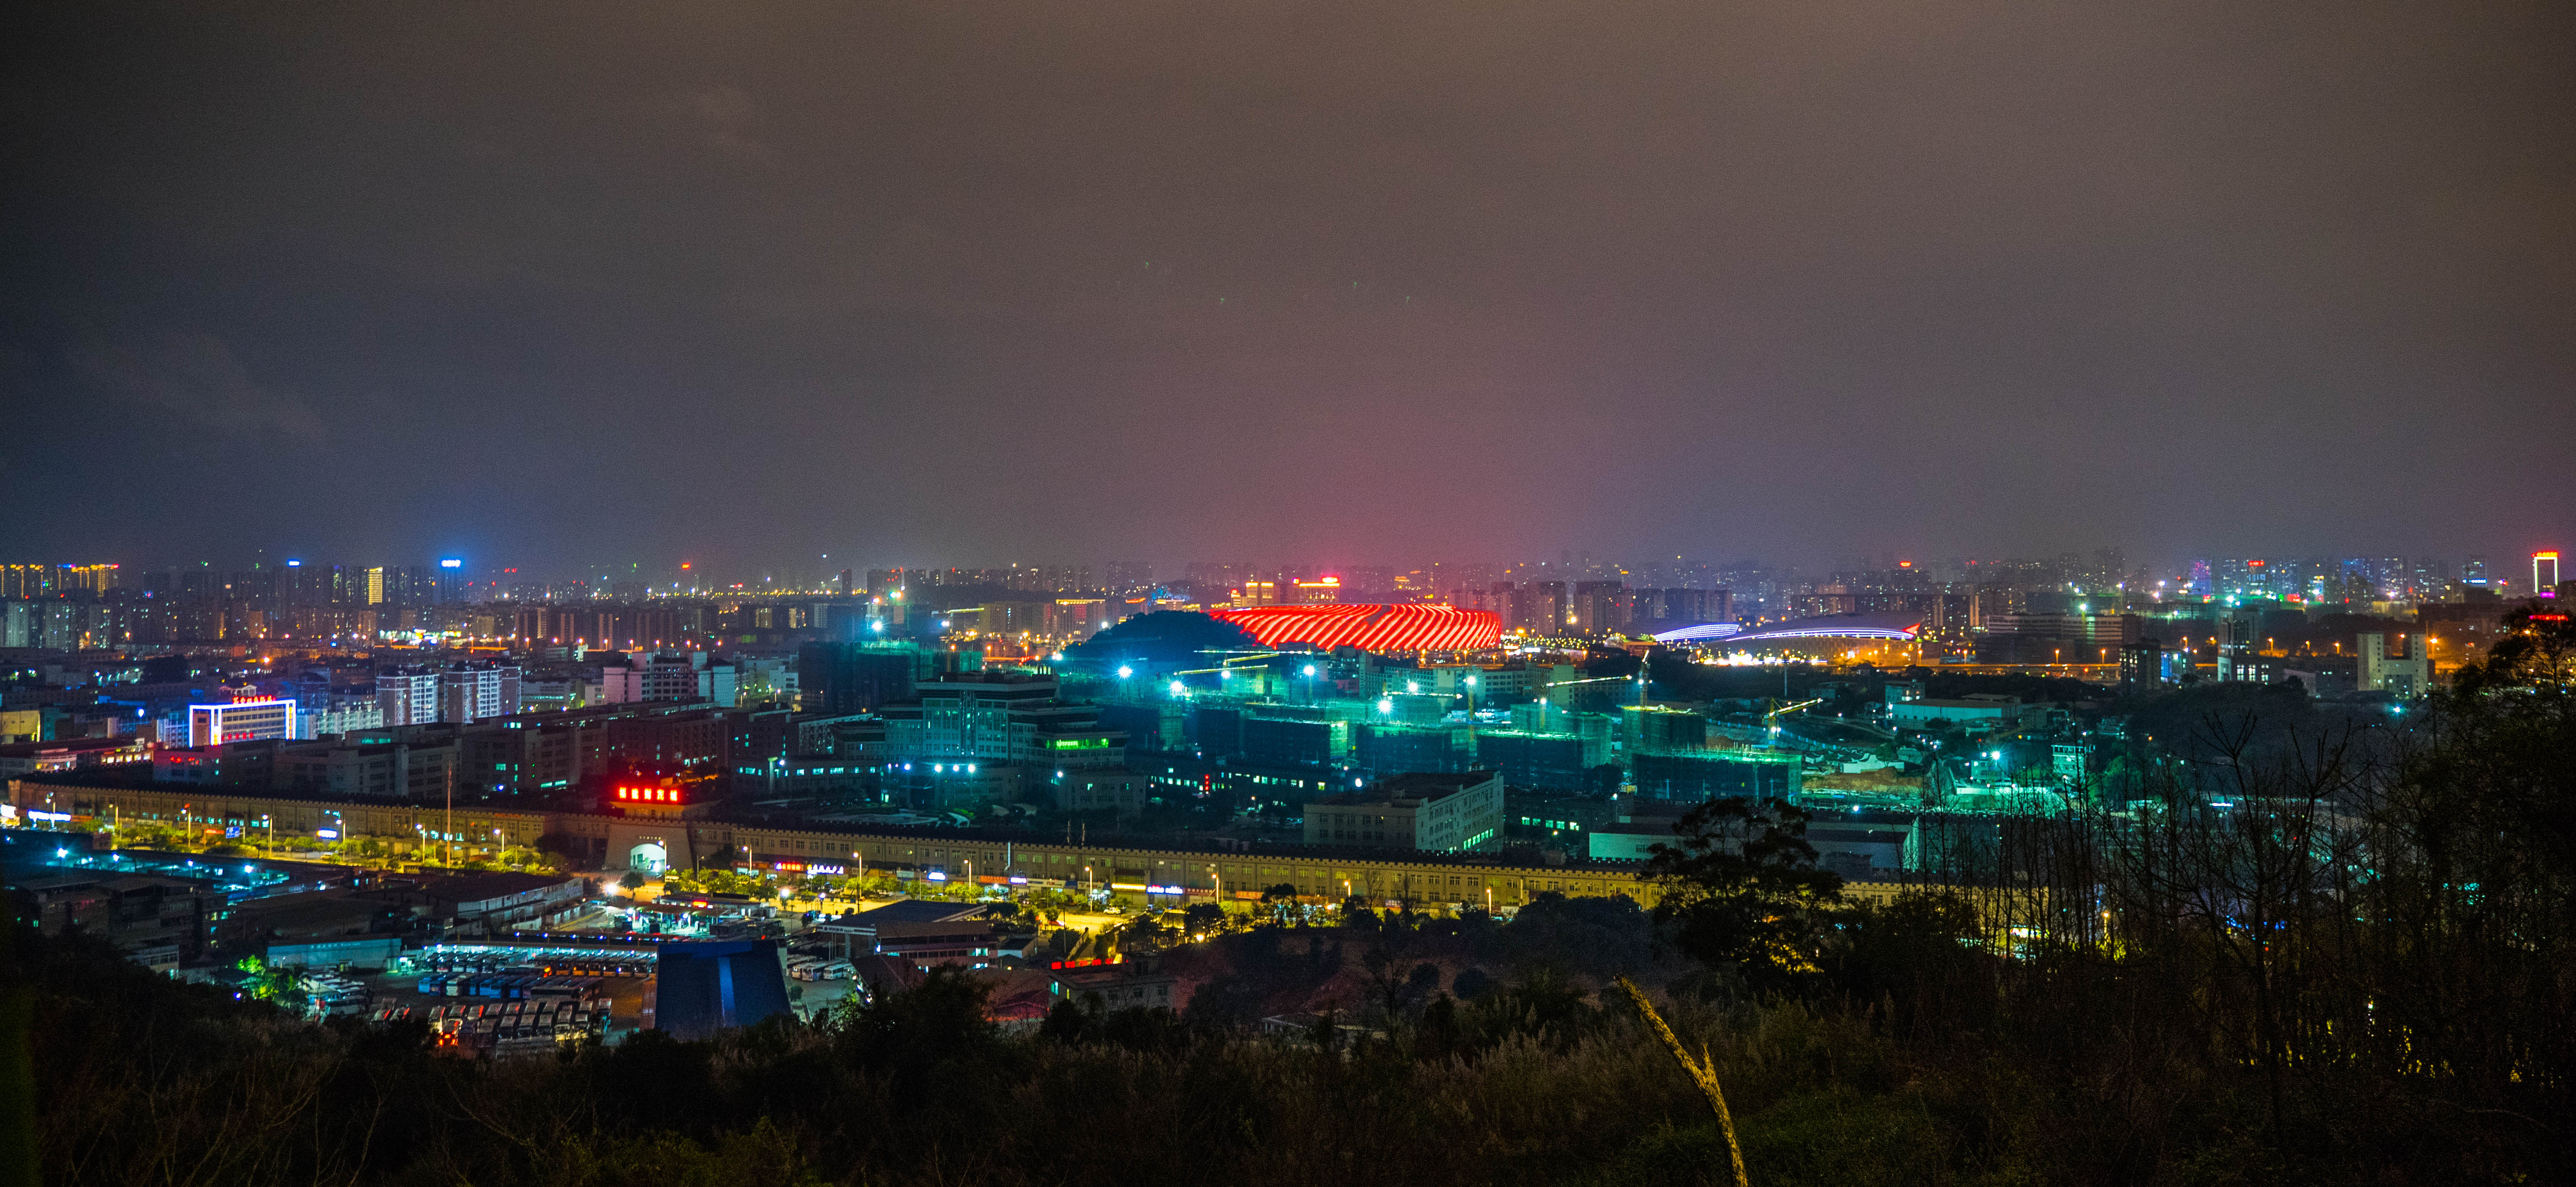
(1369, 627)
(1833, 626)
(1701, 633)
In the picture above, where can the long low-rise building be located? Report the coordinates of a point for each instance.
(1140, 871)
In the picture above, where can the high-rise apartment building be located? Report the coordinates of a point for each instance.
(2428, 578)
(26, 582)
(2142, 666)
(2400, 669)
(88, 580)
(1949, 626)
(1600, 607)
(1128, 576)
(38, 582)
(647, 676)
(59, 625)
(323, 710)
(2389, 578)
(1665, 609)
(397, 585)
(469, 693)
(1540, 608)
(408, 695)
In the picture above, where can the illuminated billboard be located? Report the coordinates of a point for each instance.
(1369, 627)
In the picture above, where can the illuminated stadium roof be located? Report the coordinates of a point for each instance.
(1700, 634)
(1369, 627)
(1834, 626)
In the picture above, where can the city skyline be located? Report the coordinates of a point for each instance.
(1016, 592)
(823, 571)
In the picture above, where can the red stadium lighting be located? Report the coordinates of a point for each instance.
(1370, 627)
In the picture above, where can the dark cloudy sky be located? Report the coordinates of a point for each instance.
(1358, 281)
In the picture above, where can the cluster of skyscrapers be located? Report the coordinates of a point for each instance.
(2355, 579)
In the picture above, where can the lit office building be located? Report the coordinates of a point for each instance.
(241, 721)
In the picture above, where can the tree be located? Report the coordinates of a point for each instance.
(561, 851)
(1398, 984)
(1145, 933)
(940, 1020)
(1702, 1071)
(2536, 654)
(268, 982)
(1280, 899)
(1204, 919)
(1743, 887)
(1066, 1022)
(632, 882)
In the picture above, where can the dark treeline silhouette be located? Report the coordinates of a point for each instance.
(2334, 957)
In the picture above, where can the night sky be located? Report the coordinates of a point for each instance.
(1363, 282)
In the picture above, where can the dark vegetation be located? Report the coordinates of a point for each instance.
(2358, 971)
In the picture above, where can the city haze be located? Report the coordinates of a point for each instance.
(642, 284)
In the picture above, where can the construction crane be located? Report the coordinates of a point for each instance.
(1767, 717)
(1227, 665)
(1588, 680)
